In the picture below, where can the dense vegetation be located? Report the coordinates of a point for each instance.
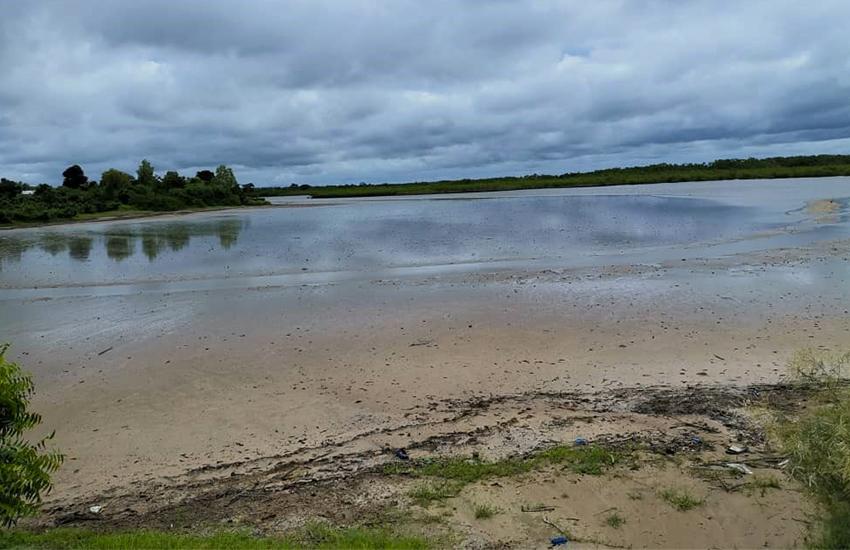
(119, 191)
(25, 466)
(776, 167)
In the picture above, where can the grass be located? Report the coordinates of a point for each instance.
(428, 493)
(314, 535)
(761, 484)
(484, 511)
(818, 442)
(680, 499)
(615, 520)
(456, 472)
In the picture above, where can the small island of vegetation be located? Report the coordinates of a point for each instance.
(120, 194)
(724, 169)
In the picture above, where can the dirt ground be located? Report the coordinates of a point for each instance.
(675, 439)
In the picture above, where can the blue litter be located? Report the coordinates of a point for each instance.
(402, 454)
(581, 442)
(559, 540)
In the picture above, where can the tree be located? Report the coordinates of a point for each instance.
(115, 180)
(224, 176)
(74, 177)
(145, 174)
(173, 180)
(25, 467)
(10, 189)
(205, 175)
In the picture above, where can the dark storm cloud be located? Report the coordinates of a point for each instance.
(320, 91)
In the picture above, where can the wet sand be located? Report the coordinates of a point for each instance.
(156, 390)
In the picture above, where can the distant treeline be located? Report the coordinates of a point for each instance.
(119, 191)
(751, 168)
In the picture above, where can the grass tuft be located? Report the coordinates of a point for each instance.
(762, 483)
(484, 511)
(680, 499)
(428, 493)
(615, 520)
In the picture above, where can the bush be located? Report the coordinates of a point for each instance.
(818, 442)
(25, 467)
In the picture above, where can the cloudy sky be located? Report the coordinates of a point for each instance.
(320, 91)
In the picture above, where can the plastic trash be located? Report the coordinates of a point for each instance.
(739, 467)
(736, 450)
(402, 454)
(580, 442)
(559, 540)
(95, 509)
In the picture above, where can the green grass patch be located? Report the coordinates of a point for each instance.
(591, 460)
(615, 520)
(428, 493)
(761, 484)
(484, 511)
(680, 499)
(314, 535)
(456, 472)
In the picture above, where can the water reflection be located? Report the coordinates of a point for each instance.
(120, 241)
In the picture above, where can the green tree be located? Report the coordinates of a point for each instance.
(25, 467)
(145, 174)
(224, 176)
(173, 180)
(74, 177)
(10, 189)
(116, 183)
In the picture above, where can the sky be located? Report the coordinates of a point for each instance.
(315, 91)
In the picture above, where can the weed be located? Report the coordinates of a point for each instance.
(762, 483)
(817, 442)
(615, 520)
(680, 499)
(484, 511)
(428, 493)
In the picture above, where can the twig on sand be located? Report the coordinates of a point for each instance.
(555, 526)
(537, 508)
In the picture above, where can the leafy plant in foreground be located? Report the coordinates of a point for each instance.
(25, 467)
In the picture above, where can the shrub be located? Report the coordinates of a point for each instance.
(25, 467)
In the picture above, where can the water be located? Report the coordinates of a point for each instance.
(326, 240)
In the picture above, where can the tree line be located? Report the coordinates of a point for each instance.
(117, 190)
(723, 169)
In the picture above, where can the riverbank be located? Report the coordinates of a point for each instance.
(729, 169)
(507, 471)
(126, 214)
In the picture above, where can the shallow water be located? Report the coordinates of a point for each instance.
(325, 240)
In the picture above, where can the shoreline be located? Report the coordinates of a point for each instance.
(508, 454)
(518, 183)
(131, 215)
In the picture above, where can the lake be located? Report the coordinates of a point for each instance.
(305, 241)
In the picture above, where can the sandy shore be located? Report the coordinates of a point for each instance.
(156, 390)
